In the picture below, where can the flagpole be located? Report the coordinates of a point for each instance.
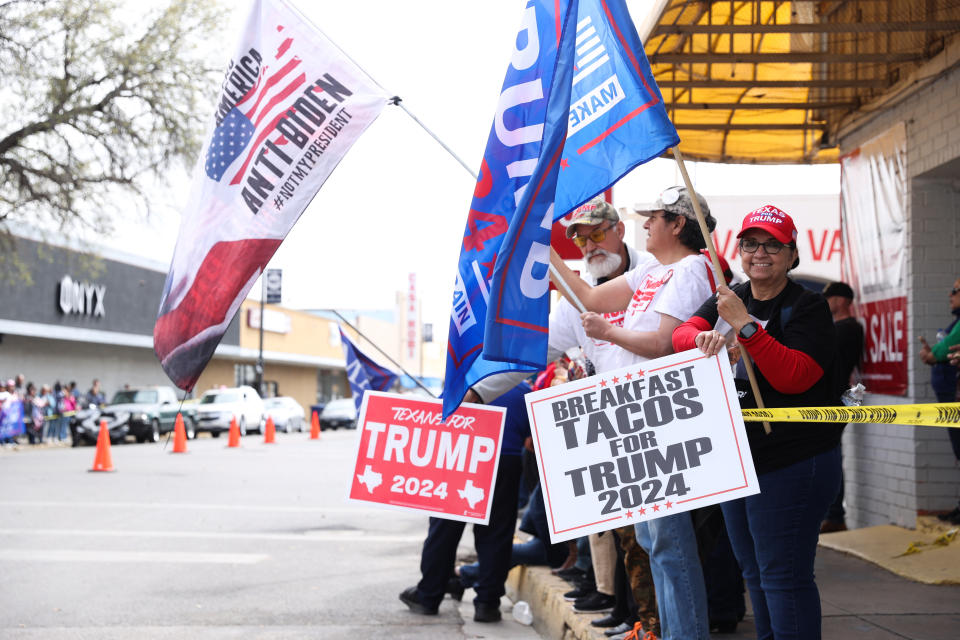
(385, 354)
(398, 101)
(718, 271)
(567, 291)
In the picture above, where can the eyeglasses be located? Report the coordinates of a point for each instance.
(954, 291)
(597, 235)
(772, 247)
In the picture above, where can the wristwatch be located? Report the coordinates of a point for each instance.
(748, 330)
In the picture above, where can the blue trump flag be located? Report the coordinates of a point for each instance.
(362, 372)
(579, 108)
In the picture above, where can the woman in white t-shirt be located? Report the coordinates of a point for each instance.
(658, 295)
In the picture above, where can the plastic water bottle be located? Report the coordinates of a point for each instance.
(522, 612)
(941, 334)
(853, 397)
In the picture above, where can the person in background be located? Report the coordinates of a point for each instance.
(788, 331)
(943, 376)
(839, 297)
(49, 411)
(32, 415)
(95, 395)
(68, 407)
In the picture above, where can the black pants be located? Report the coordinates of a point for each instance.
(493, 542)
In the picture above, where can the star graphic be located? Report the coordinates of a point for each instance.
(669, 504)
(640, 373)
(642, 511)
(616, 379)
(628, 376)
(603, 383)
(629, 514)
(656, 507)
(564, 164)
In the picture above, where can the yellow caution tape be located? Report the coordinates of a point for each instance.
(919, 546)
(944, 414)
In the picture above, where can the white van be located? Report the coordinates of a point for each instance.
(217, 407)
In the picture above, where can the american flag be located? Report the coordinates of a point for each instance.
(254, 116)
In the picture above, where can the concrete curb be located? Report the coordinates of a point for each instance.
(553, 617)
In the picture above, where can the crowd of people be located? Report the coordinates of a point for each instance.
(42, 414)
(683, 576)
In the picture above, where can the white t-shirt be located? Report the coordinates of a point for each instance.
(676, 290)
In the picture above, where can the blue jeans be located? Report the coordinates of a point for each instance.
(774, 536)
(677, 576)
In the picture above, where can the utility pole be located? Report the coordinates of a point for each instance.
(259, 369)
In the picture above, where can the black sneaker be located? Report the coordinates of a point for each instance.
(596, 602)
(950, 517)
(608, 621)
(485, 612)
(410, 598)
(572, 575)
(582, 591)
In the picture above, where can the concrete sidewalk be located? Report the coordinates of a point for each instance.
(862, 599)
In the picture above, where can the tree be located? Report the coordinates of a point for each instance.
(98, 100)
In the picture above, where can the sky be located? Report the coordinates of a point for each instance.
(398, 202)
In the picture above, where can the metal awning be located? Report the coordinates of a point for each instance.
(773, 82)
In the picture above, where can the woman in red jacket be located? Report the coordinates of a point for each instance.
(788, 332)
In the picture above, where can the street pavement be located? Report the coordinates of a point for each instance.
(254, 542)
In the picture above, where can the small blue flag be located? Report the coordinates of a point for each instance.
(362, 372)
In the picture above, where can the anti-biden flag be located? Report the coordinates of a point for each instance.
(290, 106)
(362, 372)
(579, 108)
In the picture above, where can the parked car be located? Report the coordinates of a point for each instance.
(339, 413)
(168, 417)
(218, 406)
(131, 412)
(286, 412)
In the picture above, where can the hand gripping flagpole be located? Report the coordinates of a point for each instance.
(718, 272)
(385, 354)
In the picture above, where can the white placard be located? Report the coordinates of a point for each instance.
(640, 442)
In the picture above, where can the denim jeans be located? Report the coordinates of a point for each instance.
(677, 576)
(774, 536)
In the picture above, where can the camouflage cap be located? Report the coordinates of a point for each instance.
(596, 211)
(677, 200)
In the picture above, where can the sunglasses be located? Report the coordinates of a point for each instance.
(954, 291)
(597, 235)
(772, 247)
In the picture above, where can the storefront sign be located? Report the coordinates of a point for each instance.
(407, 458)
(82, 298)
(886, 346)
(639, 443)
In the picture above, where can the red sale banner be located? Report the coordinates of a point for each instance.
(409, 458)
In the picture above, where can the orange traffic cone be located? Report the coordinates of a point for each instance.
(269, 432)
(179, 436)
(315, 427)
(234, 433)
(102, 461)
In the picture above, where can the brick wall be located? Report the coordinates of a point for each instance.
(893, 472)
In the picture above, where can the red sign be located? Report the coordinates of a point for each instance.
(408, 458)
(885, 358)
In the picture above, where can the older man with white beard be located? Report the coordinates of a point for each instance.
(596, 228)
